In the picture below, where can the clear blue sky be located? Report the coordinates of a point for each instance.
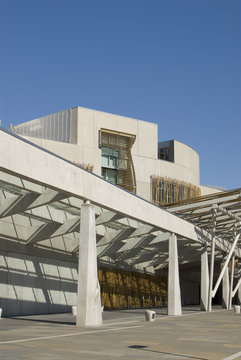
(173, 62)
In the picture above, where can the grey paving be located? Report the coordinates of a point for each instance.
(124, 334)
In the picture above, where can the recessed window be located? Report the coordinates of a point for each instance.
(109, 174)
(109, 157)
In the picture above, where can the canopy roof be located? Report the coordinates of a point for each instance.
(199, 211)
(40, 207)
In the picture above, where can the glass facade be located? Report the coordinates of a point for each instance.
(166, 150)
(109, 157)
(109, 164)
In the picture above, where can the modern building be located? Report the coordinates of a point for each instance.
(122, 150)
(78, 191)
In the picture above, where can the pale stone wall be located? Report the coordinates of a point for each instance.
(208, 190)
(144, 151)
(35, 285)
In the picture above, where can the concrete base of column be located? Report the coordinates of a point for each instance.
(88, 300)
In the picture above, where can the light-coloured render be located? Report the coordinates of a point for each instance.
(84, 149)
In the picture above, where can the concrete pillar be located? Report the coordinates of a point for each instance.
(212, 261)
(230, 298)
(88, 300)
(225, 289)
(239, 295)
(204, 280)
(174, 294)
(239, 289)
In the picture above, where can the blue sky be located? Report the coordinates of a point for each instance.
(173, 62)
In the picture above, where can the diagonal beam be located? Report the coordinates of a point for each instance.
(20, 204)
(54, 229)
(16, 204)
(108, 244)
(229, 213)
(133, 247)
(236, 287)
(225, 265)
(107, 216)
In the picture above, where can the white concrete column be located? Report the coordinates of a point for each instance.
(225, 289)
(239, 289)
(239, 295)
(88, 300)
(174, 294)
(204, 280)
(212, 261)
(230, 298)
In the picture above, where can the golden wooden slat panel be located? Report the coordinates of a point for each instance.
(167, 191)
(120, 288)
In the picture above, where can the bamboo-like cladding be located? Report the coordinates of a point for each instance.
(126, 289)
(166, 190)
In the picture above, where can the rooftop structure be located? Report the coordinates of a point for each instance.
(123, 150)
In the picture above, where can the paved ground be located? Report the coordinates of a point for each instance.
(124, 334)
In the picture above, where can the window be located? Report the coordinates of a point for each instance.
(116, 161)
(163, 154)
(109, 157)
(109, 174)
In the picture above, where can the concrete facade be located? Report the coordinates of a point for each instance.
(36, 285)
(84, 148)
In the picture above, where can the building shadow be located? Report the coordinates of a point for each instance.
(57, 322)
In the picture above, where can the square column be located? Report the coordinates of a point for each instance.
(225, 289)
(88, 298)
(239, 289)
(204, 280)
(174, 294)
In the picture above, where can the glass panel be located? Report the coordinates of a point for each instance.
(106, 150)
(111, 175)
(113, 161)
(105, 160)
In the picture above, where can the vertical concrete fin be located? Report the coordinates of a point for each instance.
(174, 294)
(204, 280)
(88, 300)
(225, 289)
